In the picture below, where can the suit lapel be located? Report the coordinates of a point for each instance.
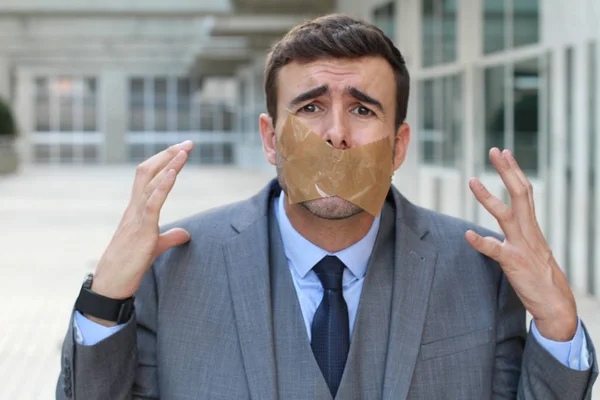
(364, 372)
(298, 374)
(247, 263)
(413, 275)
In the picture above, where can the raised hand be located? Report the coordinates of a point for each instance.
(137, 240)
(525, 256)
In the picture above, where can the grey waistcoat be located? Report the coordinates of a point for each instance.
(298, 375)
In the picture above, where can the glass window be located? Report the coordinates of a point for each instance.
(91, 154)
(71, 101)
(384, 17)
(526, 114)
(183, 104)
(242, 101)
(441, 121)
(136, 104)
(89, 95)
(439, 31)
(519, 129)
(494, 25)
(526, 22)
(428, 135)
(452, 119)
(228, 157)
(42, 105)
(137, 152)
(63, 88)
(510, 23)
(196, 106)
(42, 153)
(66, 152)
(65, 104)
(160, 104)
(228, 119)
(495, 123)
(172, 104)
(206, 114)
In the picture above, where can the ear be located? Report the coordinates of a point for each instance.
(268, 137)
(401, 144)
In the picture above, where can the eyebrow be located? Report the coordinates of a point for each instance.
(363, 97)
(309, 95)
(321, 90)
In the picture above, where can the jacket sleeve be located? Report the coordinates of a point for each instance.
(121, 366)
(524, 370)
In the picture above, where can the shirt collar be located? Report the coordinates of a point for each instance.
(304, 255)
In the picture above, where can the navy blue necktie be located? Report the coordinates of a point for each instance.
(330, 327)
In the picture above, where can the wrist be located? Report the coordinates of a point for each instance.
(558, 329)
(109, 289)
(100, 307)
(100, 321)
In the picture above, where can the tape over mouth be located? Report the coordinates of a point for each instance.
(313, 169)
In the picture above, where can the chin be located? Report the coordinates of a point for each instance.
(333, 208)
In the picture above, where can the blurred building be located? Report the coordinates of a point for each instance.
(116, 81)
(517, 74)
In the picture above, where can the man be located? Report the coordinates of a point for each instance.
(352, 292)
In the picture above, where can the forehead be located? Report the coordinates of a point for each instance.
(372, 74)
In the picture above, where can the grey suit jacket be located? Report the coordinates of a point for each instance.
(204, 322)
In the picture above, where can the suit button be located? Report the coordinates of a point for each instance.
(67, 387)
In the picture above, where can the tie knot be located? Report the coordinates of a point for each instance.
(330, 271)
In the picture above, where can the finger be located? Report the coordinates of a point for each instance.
(488, 246)
(529, 223)
(521, 175)
(157, 199)
(516, 189)
(503, 213)
(175, 164)
(147, 170)
(171, 238)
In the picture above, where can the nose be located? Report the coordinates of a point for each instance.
(338, 132)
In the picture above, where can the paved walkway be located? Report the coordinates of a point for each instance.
(54, 226)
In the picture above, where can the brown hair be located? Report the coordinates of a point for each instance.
(335, 36)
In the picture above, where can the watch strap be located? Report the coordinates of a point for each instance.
(96, 305)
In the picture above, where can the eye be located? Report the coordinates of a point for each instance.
(363, 111)
(310, 108)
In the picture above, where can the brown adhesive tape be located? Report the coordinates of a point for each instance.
(313, 169)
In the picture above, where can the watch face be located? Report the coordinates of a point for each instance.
(89, 278)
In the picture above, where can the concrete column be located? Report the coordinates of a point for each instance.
(114, 114)
(558, 139)
(249, 105)
(469, 44)
(579, 136)
(23, 109)
(5, 80)
(596, 267)
(408, 25)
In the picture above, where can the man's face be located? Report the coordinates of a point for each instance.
(348, 102)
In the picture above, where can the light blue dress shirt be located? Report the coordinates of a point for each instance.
(302, 256)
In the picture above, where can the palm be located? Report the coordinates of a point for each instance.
(524, 256)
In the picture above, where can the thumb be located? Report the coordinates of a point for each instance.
(171, 238)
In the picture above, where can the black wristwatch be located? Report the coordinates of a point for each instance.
(96, 305)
